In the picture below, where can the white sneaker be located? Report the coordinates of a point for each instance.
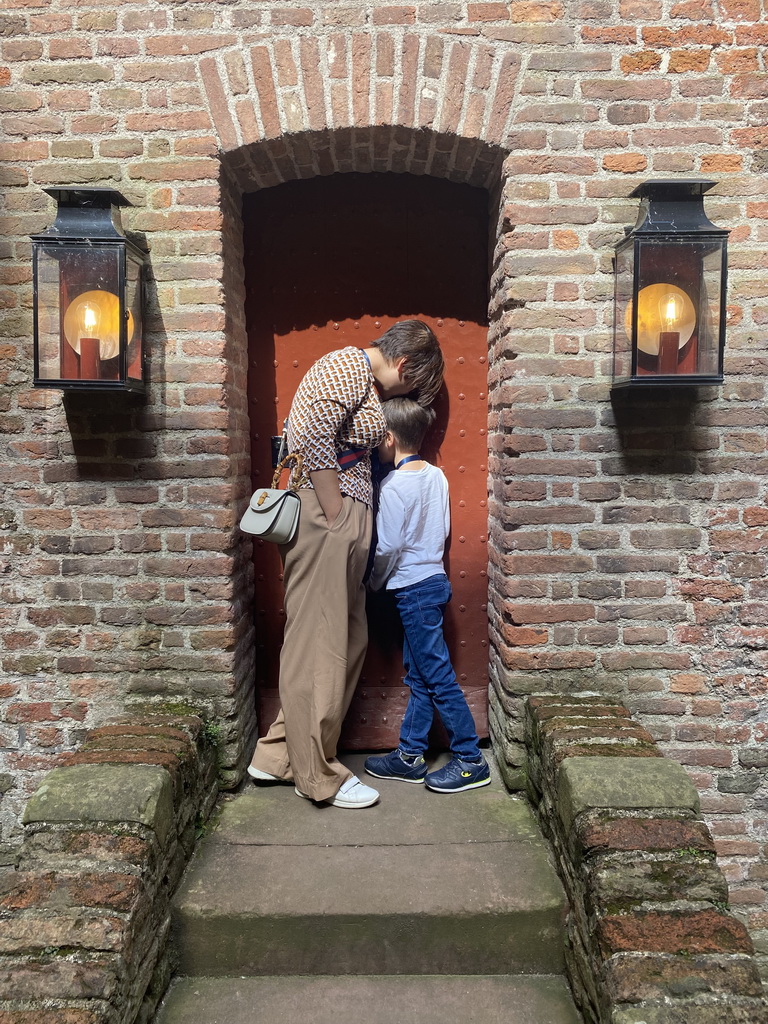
(257, 773)
(352, 793)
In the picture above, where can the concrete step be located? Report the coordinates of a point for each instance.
(421, 884)
(370, 1000)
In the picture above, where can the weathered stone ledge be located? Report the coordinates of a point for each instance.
(84, 913)
(650, 937)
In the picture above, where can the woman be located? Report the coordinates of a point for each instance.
(336, 420)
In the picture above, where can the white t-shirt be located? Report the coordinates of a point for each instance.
(412, 523)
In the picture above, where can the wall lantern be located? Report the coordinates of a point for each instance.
(88, 296)
(670, 283)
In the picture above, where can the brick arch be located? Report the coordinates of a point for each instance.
(457, 135)
(377, 148)
(362, 89)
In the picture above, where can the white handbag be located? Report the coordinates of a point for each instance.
(272, 513)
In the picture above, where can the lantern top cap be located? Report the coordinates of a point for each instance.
(94, 198)
(86, 215)
(672, 188)
(673, 206)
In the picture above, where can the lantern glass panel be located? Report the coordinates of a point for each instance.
(79, 317)
(622, 328)
(49, 315)
(711, 326)
(134, 324)
(678, 300)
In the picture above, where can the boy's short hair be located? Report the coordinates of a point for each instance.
(425, 367)
(408, 420)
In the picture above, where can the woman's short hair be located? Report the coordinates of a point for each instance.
(425, 366)
(408, 420)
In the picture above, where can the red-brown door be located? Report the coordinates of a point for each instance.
(336, 261)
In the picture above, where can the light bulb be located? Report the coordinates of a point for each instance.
(89, 320)
(94, 314)
(671, 311)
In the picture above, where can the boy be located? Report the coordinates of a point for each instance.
(413, 523)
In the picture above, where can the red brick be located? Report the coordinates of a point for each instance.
(693, 932)
(393, 16)
(50, 23)
(645, 834)
(741, 540)
(313, 85)
(296, 16)
(691, 34)
(219, 104)
(519, 636)
(99, 1014)
(640, 63)
(361, 69)
(625, 163)
(55, 890)
(631, 980)
(505, 90)
(563, 705)
(99, 847)
(185, 45)
(93, 124)
(707, 757)
(45, 711)
(265, 87)
(493, 11)
(733, 61)
(22, 934)
(58, 978)
(152, 757)
(528, 614)
(685, 61)
(69, 49)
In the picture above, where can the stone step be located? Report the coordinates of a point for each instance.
(423, 883)
(370, 910)
(370, 1000)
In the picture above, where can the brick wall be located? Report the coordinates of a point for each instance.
(627, 538)
(85, 916)
(649, 935)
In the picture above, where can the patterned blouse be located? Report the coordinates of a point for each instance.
(336, 420)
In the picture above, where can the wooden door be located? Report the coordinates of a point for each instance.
(335, 261)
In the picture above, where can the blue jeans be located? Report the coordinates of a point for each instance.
(429, 673)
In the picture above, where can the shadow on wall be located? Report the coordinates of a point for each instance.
(656, 433)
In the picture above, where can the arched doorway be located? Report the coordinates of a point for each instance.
(334, 261)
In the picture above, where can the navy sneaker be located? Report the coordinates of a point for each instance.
(457, 775)
(396, 765)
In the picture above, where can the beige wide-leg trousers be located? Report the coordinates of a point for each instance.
(326, 636)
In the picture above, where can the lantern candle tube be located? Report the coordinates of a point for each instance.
(90, 347)
(670, 310)
(90, 361)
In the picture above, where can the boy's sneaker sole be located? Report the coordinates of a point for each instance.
(470, 785)
(394, 778)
